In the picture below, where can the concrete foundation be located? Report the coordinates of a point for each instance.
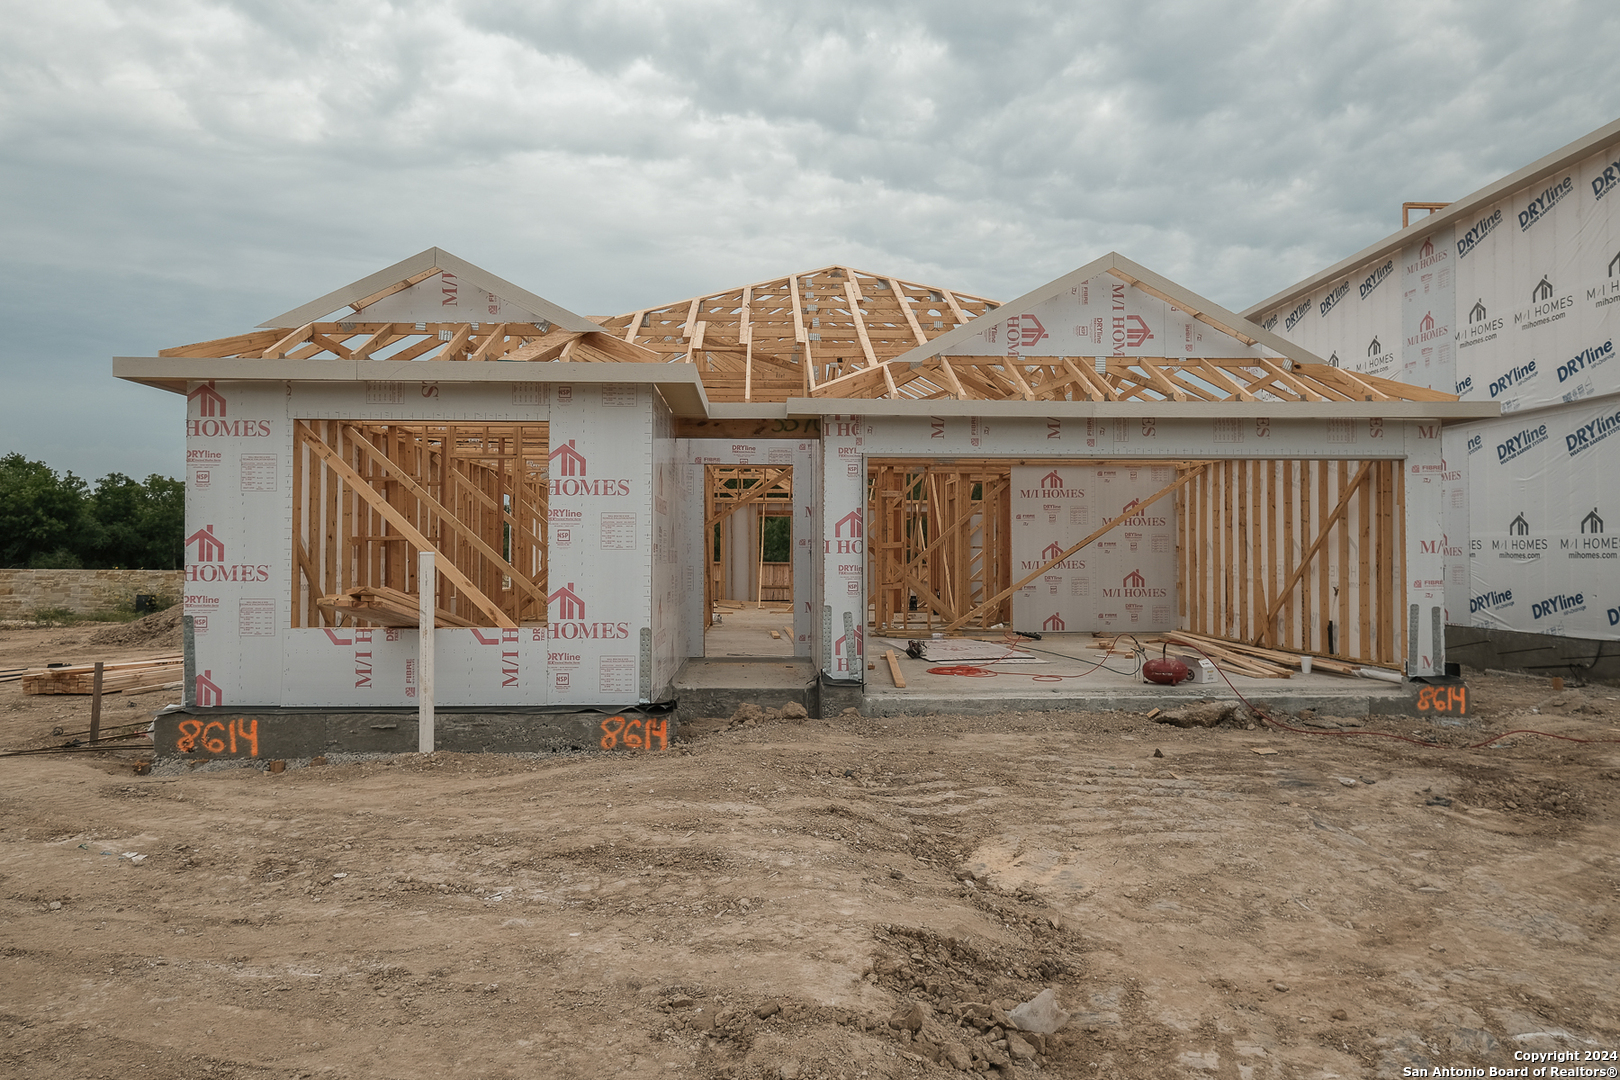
(1070, 679)
(301, 733)
(1534, 654)
(1073, 676)
(715, 686)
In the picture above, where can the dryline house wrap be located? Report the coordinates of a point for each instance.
(1509, 296)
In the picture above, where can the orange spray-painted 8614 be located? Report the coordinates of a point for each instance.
(215, 736)
(635, 733)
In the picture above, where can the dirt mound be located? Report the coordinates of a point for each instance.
(161, 629)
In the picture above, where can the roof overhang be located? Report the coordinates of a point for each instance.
(679, 384)
(1446, 412)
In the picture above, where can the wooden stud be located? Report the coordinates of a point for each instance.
(1324, 599)
(1245, 524)
(1387, 556)
(1228, 555)
(1347, 490)
(1290, 491)
(333, 490)
(1346, 648)
(1364, 592)
(894, 669)
(1271, 495)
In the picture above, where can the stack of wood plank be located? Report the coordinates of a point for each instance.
(384, 607)
(1253, 654)
(1235, 658)
(115, 678)
(1232, 658)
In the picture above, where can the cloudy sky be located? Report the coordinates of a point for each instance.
(176, 170)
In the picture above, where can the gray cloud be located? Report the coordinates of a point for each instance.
(181, 169)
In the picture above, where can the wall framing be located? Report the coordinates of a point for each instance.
(1268, 551)
(365, 495)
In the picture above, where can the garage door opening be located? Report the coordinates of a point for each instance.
(1302, 555)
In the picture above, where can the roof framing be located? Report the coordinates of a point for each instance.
(799, 341)
(555, 333)
(358, 295)
(1276, 370)
(784, 337)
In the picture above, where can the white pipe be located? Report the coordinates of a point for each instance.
(427, 586)
(1380, 674)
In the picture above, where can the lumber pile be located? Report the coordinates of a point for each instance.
(1235, 659)
(115, 678)
(1253, 653)
(384, 607)
(1230, 657)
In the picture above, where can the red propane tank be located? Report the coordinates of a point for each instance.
(1166, 671)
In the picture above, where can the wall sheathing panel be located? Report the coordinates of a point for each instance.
(1101, 316)
(1125, 580)
(1528, 307)
(238, 562)
(602, 485)
(672, 509)
(1545, 550)
(255, 644)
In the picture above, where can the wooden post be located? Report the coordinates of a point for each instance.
(759, 572)
(426, 587)
(95, 705)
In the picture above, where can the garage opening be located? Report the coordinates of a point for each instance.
(1304, 555)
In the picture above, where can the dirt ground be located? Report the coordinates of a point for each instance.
(768, 900)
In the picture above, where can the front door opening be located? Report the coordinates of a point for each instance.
(748, 587)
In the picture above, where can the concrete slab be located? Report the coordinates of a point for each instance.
(747, 631)
(1074, 680)
(715, 686)
(297, 733)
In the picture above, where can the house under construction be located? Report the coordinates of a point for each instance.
(1108, 452)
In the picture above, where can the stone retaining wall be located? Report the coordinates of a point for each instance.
(23, 592)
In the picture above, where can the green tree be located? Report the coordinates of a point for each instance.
(135, 525)
(41, 513)
(51, 521)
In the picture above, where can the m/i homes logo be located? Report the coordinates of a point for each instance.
(211, 421)
(568, 623)
(209, 562)
(570, 474)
